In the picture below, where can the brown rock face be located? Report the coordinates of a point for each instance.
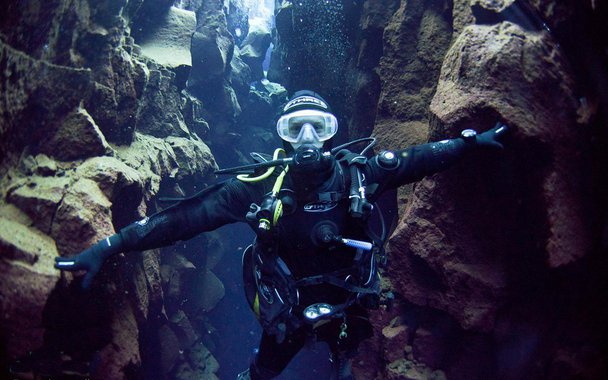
(82, 218)
(496, 81)
(77, 137)
(26, 282)
(74, 86)
(511, 72)
(484, 252)
(23, 299)
(33, 108)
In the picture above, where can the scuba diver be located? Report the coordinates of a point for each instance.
(311, 271)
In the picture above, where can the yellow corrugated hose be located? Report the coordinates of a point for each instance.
(267, 173)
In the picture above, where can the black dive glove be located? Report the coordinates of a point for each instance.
(91, 259)
(489, 138)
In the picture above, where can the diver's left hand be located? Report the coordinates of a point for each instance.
(492, 137)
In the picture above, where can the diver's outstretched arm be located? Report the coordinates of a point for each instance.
(156, 231)
(391, 169)
(225, 204)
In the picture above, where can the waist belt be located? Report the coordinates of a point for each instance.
(333, 279)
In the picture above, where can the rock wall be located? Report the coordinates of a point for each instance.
(95, 128)
(229, 81)
(105, 107)
(494, 262)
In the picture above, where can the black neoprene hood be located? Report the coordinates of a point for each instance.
(305, 100)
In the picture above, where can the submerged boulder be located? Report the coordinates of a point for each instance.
(113, 177)
(212, 46)
(211, 56)
(169, 42)
(155, 159)
(198, 363)
(82, 218)
(39, 198)
(205, 291)
(240, 76)
(77, 137)
(254, 47)
(27, 280)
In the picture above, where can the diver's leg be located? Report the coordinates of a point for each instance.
(272, 357)
(342, 352)
(341, 361)
(343, 337)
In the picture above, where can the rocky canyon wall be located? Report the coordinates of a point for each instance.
(494, 262)
(106, 107)
(496, 265)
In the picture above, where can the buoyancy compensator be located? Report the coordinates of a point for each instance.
(270, 287)
(271, 291)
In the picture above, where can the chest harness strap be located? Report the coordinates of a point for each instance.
(359, 206)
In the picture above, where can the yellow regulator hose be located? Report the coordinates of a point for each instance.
(269, 171)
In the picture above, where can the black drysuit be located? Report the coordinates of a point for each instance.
(230, 201)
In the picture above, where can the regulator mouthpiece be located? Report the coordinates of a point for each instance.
(307, 155)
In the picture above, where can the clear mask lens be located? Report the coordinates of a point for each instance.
(318, 125)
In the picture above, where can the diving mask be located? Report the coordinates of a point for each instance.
(307, 127)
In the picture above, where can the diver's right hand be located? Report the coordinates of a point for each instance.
(91, 259)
